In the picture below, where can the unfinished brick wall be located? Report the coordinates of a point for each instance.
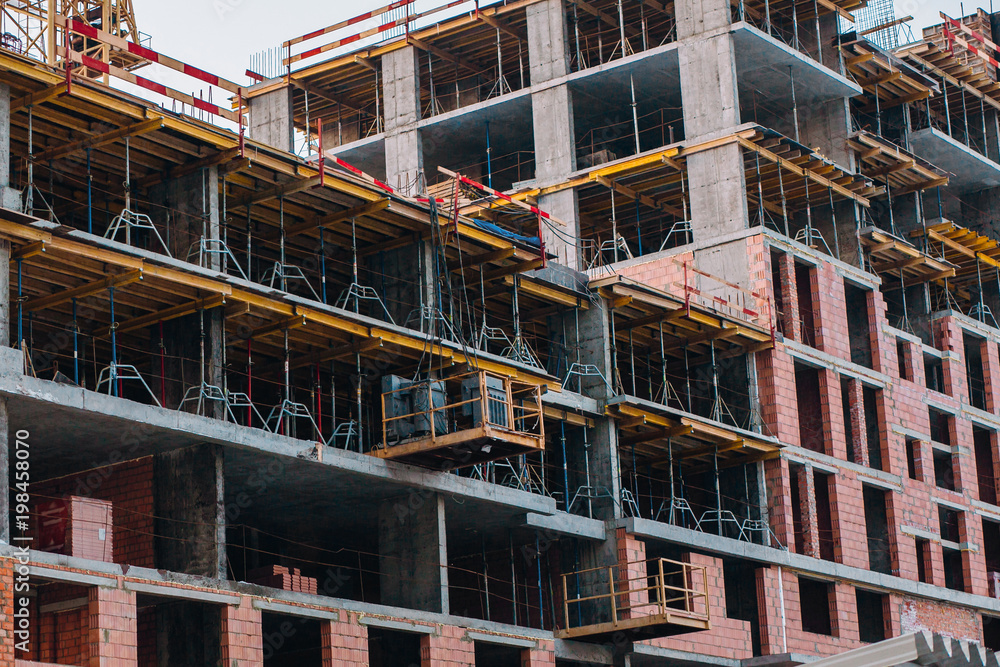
(919, 614)
(112, 628)
(63, 637)
(774, 635)
(242, 635)
(345, 643)
(448, 647)
(632, 575)
(544, 655)
(128, 486)
(728, 637)
(6, 612)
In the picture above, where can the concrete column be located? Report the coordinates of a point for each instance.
(404, 155)
(189, 498)
(413, 552)
(708, 84)
(555, 160)
(711, 106)
(695, 17)
(4, 135)
(271, 120)
(548, 41)
(215, 326)
(717, 190)
(599, 451)
(9, 198)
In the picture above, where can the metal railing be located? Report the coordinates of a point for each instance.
(504, 404)
(635, 590)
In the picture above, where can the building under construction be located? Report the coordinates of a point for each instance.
(544, 332)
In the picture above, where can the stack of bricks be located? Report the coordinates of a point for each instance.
(112, 628)
(76, 526)
(242, 635)
(287, 579)
(126, 486)
(449, 647)
(345, 643)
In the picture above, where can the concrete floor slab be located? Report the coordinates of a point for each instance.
(762, 63)
(969, 170)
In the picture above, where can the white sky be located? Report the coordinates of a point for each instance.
(220, 35)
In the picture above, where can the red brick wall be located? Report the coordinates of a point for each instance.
(112, 628)
(63, 637)
(918, 614)
(242, 635)
(449, 647)
(345, 643)
(129, 487)
(632, 575)
(6, 612)
(728, 637)
(543, 656)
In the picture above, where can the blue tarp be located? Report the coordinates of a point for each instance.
(500, 231)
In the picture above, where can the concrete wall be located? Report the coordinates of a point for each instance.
(189, 493)
(271, 120)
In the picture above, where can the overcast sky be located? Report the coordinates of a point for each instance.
(221, 35)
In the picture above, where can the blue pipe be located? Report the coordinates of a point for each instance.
(90, 197)
(76, 347)
(113, 379)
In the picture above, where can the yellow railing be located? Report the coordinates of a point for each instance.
(518, 408)
(646, 594)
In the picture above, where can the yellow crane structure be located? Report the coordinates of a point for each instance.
(35, 28)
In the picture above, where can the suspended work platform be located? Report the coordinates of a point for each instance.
(461, 420)
(649, 599)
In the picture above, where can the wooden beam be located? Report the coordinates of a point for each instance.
(100, 140)
(606, 18)
(293, 322)
(512, 269)
(445, 55)
(83, 291)
(658, 434)
(188, 168)
(29, 250)
(498, 25)
(338, 217)
(479, 260)
(183, 309)
(40, 97)
(278, 191)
